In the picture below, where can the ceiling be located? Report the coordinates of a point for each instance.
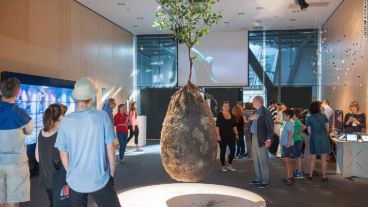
(137, 16)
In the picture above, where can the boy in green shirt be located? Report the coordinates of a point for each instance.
(298, 144)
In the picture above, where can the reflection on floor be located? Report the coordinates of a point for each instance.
(145, 168)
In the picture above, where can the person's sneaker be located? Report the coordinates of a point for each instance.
(253, 182)
(224, 169)
(230, 167)
(263, 186)
(121, 161)
(299, 175)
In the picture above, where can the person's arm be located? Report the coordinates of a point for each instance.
(309, 130)
(270, 129)
(290, 137)
(28, 128)
(347, 120)
(64, 156)
(36, 153)
(218, 137)
(110, 148)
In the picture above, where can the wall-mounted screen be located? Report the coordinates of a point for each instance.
(221, 60)
(35, 99)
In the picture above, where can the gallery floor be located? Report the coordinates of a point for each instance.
(144, 169)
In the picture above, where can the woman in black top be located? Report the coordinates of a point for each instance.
(354, 121)
(47, 155)
(226, 135)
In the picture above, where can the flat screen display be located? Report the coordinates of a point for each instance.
(221, 61)
(35, 99)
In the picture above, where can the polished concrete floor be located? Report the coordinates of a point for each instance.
(144, 169)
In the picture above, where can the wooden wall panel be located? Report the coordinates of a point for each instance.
(345, 57)
(63, 39)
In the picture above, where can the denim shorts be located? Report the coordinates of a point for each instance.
(287, 151)
(297, 152)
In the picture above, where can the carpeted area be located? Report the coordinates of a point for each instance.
(145, 168)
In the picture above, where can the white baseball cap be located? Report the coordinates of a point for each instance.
(84, 89)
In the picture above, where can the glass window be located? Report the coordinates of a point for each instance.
(156, 61)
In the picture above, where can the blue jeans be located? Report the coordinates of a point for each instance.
(122, 138)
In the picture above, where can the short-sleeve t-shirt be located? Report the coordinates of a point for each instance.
(297, 136)
(226, 127)
(84, 135)
(317, 124)
(284, 136)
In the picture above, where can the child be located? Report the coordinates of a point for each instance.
(287, 143)
(297, 151)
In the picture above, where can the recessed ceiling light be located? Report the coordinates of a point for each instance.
(259, 8)
(292, 20)
(226, 22)
(241, 13)
(258, 28)
(139, 18)
(121, 3)
(135, 25)
(259, 21)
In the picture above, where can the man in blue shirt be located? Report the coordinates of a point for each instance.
(86, 143)
(108, 107)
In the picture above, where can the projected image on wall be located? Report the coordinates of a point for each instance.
(221, 60)
(35, 99)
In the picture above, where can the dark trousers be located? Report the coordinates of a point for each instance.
(122, 137)
(135, 134)
(240, 150)
(223, 146)
(50, 195)
(105, 197)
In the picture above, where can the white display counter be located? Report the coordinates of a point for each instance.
(351, 158)
(142, 125)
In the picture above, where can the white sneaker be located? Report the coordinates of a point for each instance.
(230, 167)
(224, 169)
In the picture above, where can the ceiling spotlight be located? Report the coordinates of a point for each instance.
(121, 4)
(135, 26)
(303, 4)
(241, 13)
(139, 18)
(259, 8)
(292, 20)
(226, 22)
(259, 21)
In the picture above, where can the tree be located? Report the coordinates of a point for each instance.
(188, 137)
(188, 21)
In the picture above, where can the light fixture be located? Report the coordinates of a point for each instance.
(303, 4)
(121, 3)
(135, 26)
(259, 8)
(226, 22)
(292, 20)
(139, 18)
(259, 21)
(241, 13)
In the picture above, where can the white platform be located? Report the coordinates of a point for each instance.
(190, 194)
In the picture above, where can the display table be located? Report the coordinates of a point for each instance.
(351, 158)
(142, 125)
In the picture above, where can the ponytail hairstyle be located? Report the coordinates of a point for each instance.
(52, 115)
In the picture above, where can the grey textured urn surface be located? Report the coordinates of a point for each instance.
(188, 136)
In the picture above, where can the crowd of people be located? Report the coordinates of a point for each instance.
(297, 134)
(76, 152)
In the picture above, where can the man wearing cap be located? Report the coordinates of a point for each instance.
(85, 141)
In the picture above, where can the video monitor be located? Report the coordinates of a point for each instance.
(35, 99)
(339, 120)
